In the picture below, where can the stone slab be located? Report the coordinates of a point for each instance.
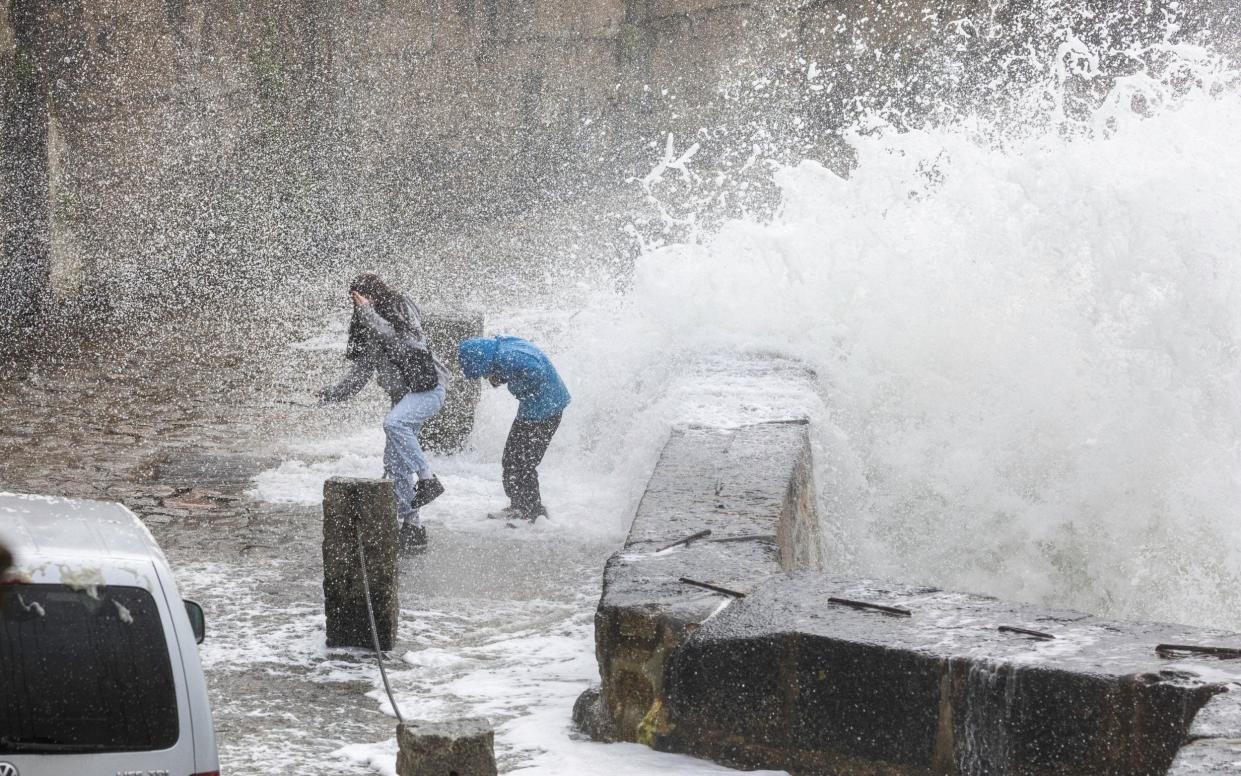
(783, 678)
(370, 505)
(448, 431)
(786, 679)
(752, 483)
(461, 747)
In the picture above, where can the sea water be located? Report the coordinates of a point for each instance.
(1025, 337)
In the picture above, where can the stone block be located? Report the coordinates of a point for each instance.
(448, 431)
(348, 504)
(590, 717)
(463, 747)
(751, 484)
(787, 679)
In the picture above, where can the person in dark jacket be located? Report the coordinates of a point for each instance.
(542, 398)
(384, 323)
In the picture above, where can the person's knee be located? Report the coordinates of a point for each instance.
(394, 424)
(517, 463)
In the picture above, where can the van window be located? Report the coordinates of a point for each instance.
(80, 673)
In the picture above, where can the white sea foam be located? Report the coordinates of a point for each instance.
(1027, 344)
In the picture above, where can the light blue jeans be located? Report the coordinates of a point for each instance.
(404, 460)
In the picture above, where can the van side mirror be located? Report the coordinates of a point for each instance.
(198, 621)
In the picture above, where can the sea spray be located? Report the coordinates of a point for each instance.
(1027, 342)
(1023, 321)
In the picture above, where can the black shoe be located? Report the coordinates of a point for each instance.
(426, 491)
(411, 539)
(508, 513)
(530, 517)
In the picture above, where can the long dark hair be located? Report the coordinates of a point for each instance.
(390, 305)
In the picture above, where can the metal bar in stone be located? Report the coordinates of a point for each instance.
(700, 535)
(1223, 653)
(747, 538)
(712, 588)
(1025, 632)
(892, 610)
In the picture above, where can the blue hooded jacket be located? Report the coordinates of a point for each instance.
(527, 371)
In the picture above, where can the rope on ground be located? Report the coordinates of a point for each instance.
(370, 612)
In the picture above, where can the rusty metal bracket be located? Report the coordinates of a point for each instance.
(1025, 632)
(712, 588)
(747, 538)
(895, 611)
(1223, 653)
(692, 537)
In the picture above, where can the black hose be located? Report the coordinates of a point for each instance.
(370, 612)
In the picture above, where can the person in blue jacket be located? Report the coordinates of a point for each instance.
(542, 398)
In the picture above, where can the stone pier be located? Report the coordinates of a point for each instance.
(748, 486)
(776, 664)
(370, 505)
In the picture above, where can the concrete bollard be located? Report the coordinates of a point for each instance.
(448, 431)
(462, 747)
(372, 504)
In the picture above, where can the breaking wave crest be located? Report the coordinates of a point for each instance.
(1025, 334)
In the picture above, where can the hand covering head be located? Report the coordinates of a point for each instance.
(388, 303)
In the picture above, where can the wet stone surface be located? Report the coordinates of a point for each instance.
(360, 510)
(788, 678)
(465, 747)
(1214, 747)
(745, 486)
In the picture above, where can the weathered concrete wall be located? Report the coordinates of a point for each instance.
(24, 203)
(182, 137)
(170, 148)
(166, 146)
(749, 485)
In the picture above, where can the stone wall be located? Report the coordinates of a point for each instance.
(168, 148)
(161, 147)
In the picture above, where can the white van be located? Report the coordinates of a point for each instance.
(99, 670)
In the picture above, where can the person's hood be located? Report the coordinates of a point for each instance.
(476, 356)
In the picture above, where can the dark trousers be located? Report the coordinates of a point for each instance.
(527, 442)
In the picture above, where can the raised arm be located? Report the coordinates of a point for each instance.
(348, 386)
(378, 325)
